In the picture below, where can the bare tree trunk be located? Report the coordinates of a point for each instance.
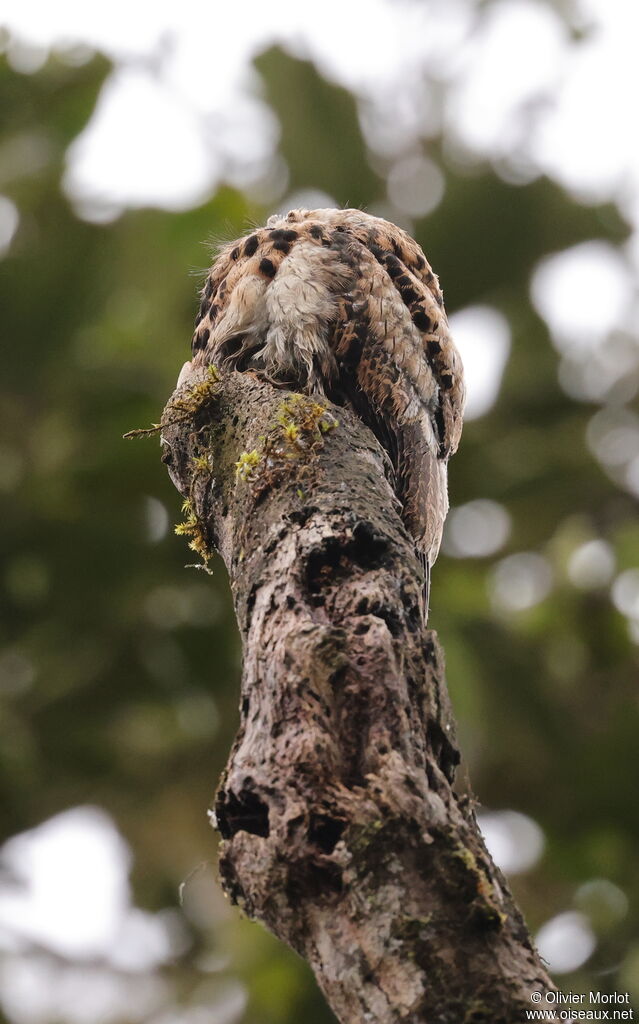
(340, 827)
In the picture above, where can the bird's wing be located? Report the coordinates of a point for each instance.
(386, 376)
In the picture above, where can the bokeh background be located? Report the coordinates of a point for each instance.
(504, 136)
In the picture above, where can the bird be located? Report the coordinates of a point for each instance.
(344, 305)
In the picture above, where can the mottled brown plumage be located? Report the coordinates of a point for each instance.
(343, 304)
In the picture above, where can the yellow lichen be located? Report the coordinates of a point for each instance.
(198, 394)
(191, 527)
(189, 401)
(246, 464)
(201, 463)
(289, 447)
(484, 904)
(467, 857)
(187, 404)
(291, 431)
(300, 415)
(327, 424)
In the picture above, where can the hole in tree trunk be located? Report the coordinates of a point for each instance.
(325, 832)
(243, 813)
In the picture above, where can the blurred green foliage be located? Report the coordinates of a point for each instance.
(120, 668)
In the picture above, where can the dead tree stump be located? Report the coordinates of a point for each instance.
(340, 827)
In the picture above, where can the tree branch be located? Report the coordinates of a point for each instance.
(341, 830)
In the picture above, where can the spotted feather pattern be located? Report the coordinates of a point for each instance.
(344, 304)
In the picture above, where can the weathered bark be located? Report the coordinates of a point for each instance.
(341, 830)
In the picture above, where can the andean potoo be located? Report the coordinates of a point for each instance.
(342, 304)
